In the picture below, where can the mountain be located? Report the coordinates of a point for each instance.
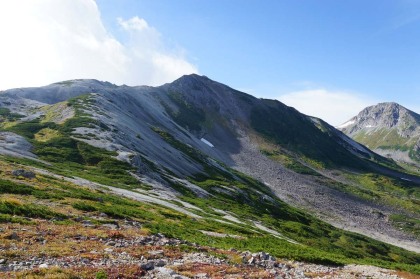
(389, 129)
(199, 162)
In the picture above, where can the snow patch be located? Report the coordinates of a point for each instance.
(207, 142)
(346, 124)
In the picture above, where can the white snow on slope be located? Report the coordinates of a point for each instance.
(346, 124)
(207, 142)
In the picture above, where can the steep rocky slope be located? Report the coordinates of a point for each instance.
(389, 129)
(179, 146)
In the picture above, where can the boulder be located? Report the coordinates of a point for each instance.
(148, 266)
(23, 173)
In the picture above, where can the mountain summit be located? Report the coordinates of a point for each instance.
(389, 129)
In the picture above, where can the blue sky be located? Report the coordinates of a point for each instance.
(361, 45)
(327, 58)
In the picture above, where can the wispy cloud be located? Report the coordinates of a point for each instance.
(334, 107)
(45, 41)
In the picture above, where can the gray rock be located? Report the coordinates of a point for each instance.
(44, 265)
(264, 256)
(155, 252)
(88, 224)
(13, 236)
(160, 263)
(23, 173)
(148, 266)
(110, 226)
(165, 271)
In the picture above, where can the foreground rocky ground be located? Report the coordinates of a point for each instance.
(124, 250)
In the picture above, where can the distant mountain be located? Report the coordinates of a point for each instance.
(389, 129)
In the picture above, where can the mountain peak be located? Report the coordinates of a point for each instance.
(192, 79)
(393, 104)
(381, 115)
(389, 129)
(386, 107)
(390, 114)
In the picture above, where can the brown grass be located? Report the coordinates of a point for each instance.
(53, 240)
(406, 275)
(222, 271)
(120, 272)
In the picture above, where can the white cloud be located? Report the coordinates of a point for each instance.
(134, 23)
(334, 107)
(46, 41)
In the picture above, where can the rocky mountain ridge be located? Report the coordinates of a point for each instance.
(195, 147)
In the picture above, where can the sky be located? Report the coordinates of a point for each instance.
(327, 58)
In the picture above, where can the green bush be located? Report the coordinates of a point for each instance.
(28, 210)
(101, 275)
(9, 187)
(84, 206)
(5, 114)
